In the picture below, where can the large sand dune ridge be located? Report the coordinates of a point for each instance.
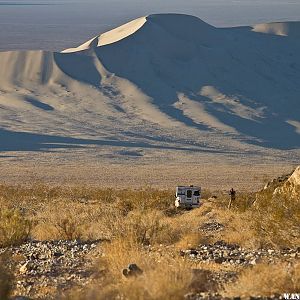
(165, 82)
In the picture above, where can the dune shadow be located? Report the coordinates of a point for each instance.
(79, 67)
(273, 132)
(38, 104)
(261, 67)
(24, 141)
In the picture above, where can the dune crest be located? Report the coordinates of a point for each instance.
(291, 29)
(164, 81)
(177, 24)
(111, 36)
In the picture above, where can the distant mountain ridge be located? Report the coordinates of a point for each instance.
(164, 80)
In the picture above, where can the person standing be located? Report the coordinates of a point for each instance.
(232, 194)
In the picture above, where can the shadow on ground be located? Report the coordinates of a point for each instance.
(24, 141)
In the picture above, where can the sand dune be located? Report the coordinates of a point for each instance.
(159, 82)
(290, 29)
(111, 36)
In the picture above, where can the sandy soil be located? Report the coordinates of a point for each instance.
(212, 172)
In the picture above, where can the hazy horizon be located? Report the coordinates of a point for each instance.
(58, 24)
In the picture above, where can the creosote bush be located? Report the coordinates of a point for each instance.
(265, 280)
(14, 228)
(68, 220)
(143, 226)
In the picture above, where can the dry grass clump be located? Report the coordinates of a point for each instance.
(145, 199)
(88, 212)
(277, 219)
(127, 199)
(259, 221)
(166, 280)
(143, 226)
(64, 212)
(160, 281)
(68, 220)
(14, 228)
(265, 280)
(164, 276)
(238, 228)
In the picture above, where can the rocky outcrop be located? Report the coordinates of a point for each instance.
(284, 187)
(291, 187)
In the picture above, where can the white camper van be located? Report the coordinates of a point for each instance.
(188, 196)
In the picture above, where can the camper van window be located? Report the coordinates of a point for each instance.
(197, 193)
(189, 193)
(180, 192)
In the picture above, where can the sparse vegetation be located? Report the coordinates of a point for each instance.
(142, 227)
(14, 228)
(272, 279)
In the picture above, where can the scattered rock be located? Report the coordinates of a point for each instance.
(223, 253)
(216, 296)
(132, 271)
(50, 265)
(212, 226)
(24, 268)
(219, 260)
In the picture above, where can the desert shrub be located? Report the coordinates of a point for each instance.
(144, 227)
(260, 220)
(244, 201)
(164, 276)
(277, 219)
(163, 280)
(37, 194)
(206, 194)
(149, 228)
(65, 219)
(239, 228)
(265, 280)
(145, 199)
(14, 228)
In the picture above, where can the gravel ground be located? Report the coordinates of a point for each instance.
(42, 268)
(212, 173)
(222, 253)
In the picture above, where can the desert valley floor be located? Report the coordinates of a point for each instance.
(162, 100)
(82, 167)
